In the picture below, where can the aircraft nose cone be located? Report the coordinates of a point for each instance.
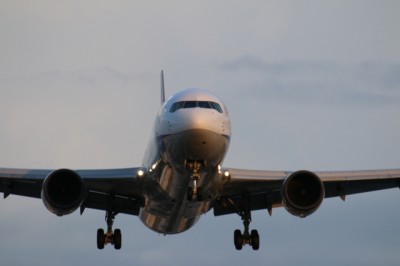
(205, 120)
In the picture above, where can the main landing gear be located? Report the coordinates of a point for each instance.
(110, 237)
(252, 239)
(246, 238)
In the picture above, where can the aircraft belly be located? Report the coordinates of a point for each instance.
(173, 220)
(167, 209)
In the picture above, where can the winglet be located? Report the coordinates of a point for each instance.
(162, 87)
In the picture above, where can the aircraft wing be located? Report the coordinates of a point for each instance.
(263, 189)
(99, 184)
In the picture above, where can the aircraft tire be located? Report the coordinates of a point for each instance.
(100, 238)
(238, 239)
(117, 239)
(255, 240)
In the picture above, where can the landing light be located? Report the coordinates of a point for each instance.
(227, 174)
(140, 173)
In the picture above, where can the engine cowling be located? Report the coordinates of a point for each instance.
(63, 191)
(302, 193)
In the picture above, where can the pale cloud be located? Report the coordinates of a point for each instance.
(374, 83)
(308, 84)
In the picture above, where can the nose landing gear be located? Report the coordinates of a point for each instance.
(194, 191)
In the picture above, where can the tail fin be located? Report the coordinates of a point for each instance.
(162, 87)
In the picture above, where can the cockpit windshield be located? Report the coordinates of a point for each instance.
(193, 104)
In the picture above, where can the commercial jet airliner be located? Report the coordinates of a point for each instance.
(182, 177)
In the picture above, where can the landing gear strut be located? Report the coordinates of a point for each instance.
(246, 238)
(194, 192)
(110, 237)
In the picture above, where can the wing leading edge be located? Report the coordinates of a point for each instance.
(259, 189)
(255, 190)
(119, 185)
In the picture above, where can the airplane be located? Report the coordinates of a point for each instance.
(182, 177)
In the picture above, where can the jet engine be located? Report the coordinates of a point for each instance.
(63, 191)
(302, 193)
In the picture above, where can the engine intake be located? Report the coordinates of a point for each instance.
(63, 191)
(302, 193)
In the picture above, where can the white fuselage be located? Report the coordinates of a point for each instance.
(192, 128)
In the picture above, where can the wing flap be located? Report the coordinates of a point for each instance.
(337, 176)
(342, 183)
(21, 188)
(121, 186)
(100, 201)
(253, 181)
(255, 190)
(22, 182)
(343, 188)
(258, 201)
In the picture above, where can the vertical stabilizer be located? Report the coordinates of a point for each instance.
(162, 87)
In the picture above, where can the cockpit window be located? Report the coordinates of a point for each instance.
(216, 106)
(204, 105)
(193, 104)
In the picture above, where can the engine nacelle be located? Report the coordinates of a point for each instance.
(63, 191)
(302, 193)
